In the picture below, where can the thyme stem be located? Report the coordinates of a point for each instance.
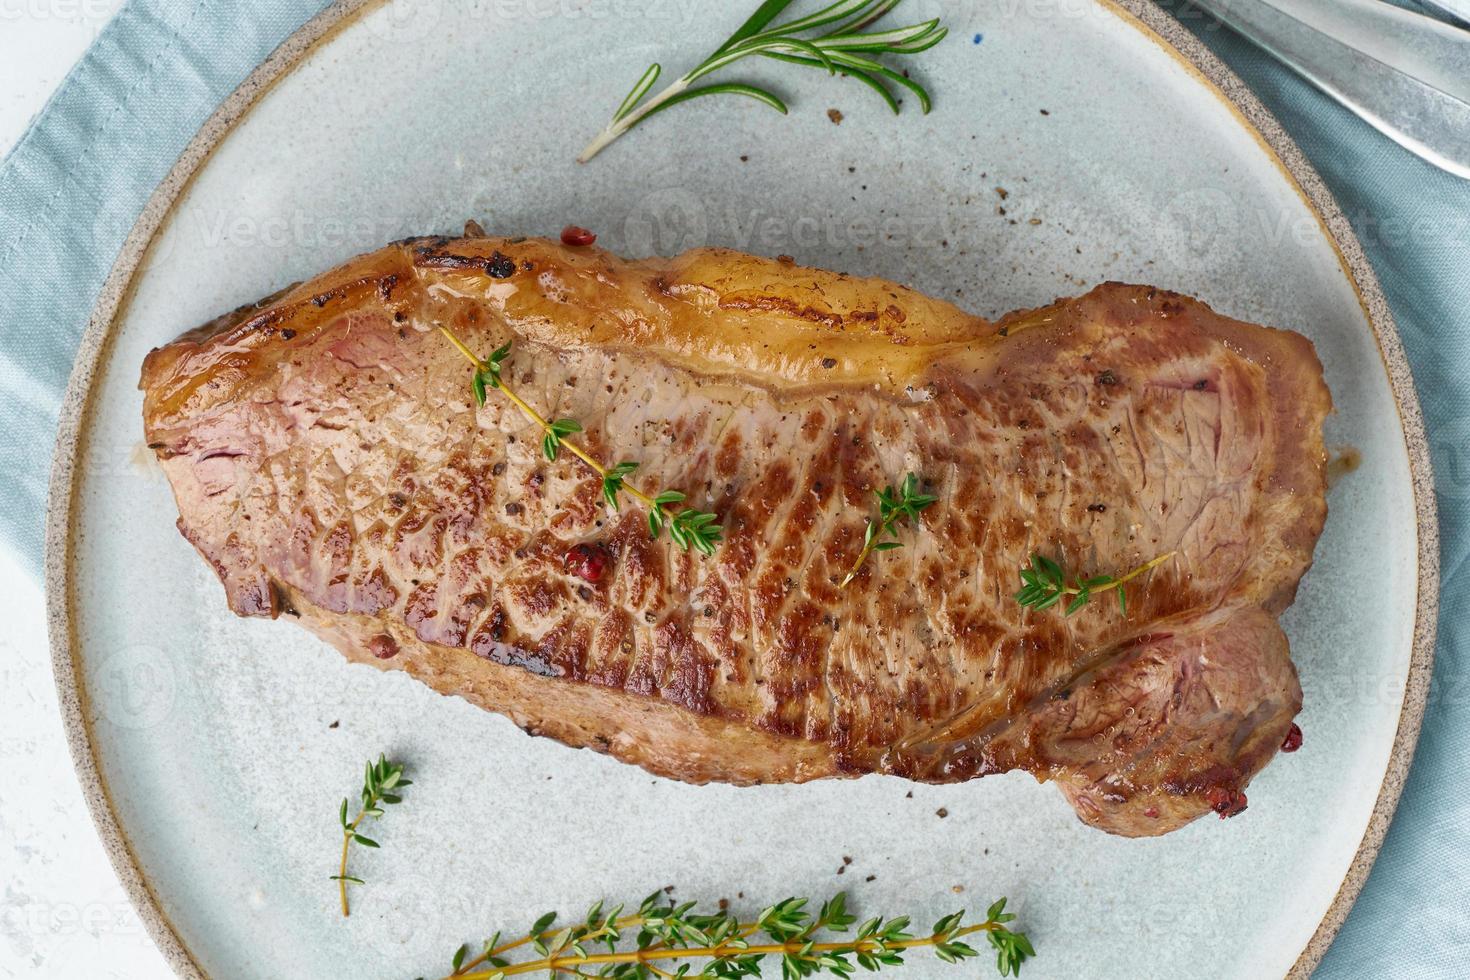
(895, 506)
(529, 412)
(1044, 584)
(382, 785)
(1115, 583)
(342, 872)
(667, 932)
(465, 969)
(724, 950)
(862, 557)
(687, 526)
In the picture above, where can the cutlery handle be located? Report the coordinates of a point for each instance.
(1406, 74)
(1458, 9)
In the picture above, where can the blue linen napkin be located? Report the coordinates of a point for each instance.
(70, 189)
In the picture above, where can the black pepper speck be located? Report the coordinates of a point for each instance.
(500, 266)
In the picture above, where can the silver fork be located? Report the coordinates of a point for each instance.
(1405, 73)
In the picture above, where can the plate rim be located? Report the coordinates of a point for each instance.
(1146, 16)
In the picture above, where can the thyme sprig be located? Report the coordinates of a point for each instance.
(1044, 584)
(661, 931)
(895, 507)
(810, 41)
(689, 528)
(381, 785)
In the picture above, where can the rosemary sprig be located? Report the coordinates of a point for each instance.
(382, 784)
(900, 506)
(661, 931)
(1043, 585)
(689, 528)
(809, 41)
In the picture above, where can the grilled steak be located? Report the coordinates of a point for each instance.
(330, 462)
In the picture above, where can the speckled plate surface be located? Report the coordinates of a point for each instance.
(1071, 142)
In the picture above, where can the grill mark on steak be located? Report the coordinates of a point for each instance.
(346, 475)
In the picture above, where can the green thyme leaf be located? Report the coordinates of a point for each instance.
(378, 777)
(1044, 584)
(901, 505)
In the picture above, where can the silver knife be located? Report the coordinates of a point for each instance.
(1405, 73)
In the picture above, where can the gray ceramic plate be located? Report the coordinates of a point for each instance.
(215, 750)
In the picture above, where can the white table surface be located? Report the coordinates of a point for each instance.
(62, 912)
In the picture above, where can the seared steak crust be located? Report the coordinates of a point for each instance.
(329, 461)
